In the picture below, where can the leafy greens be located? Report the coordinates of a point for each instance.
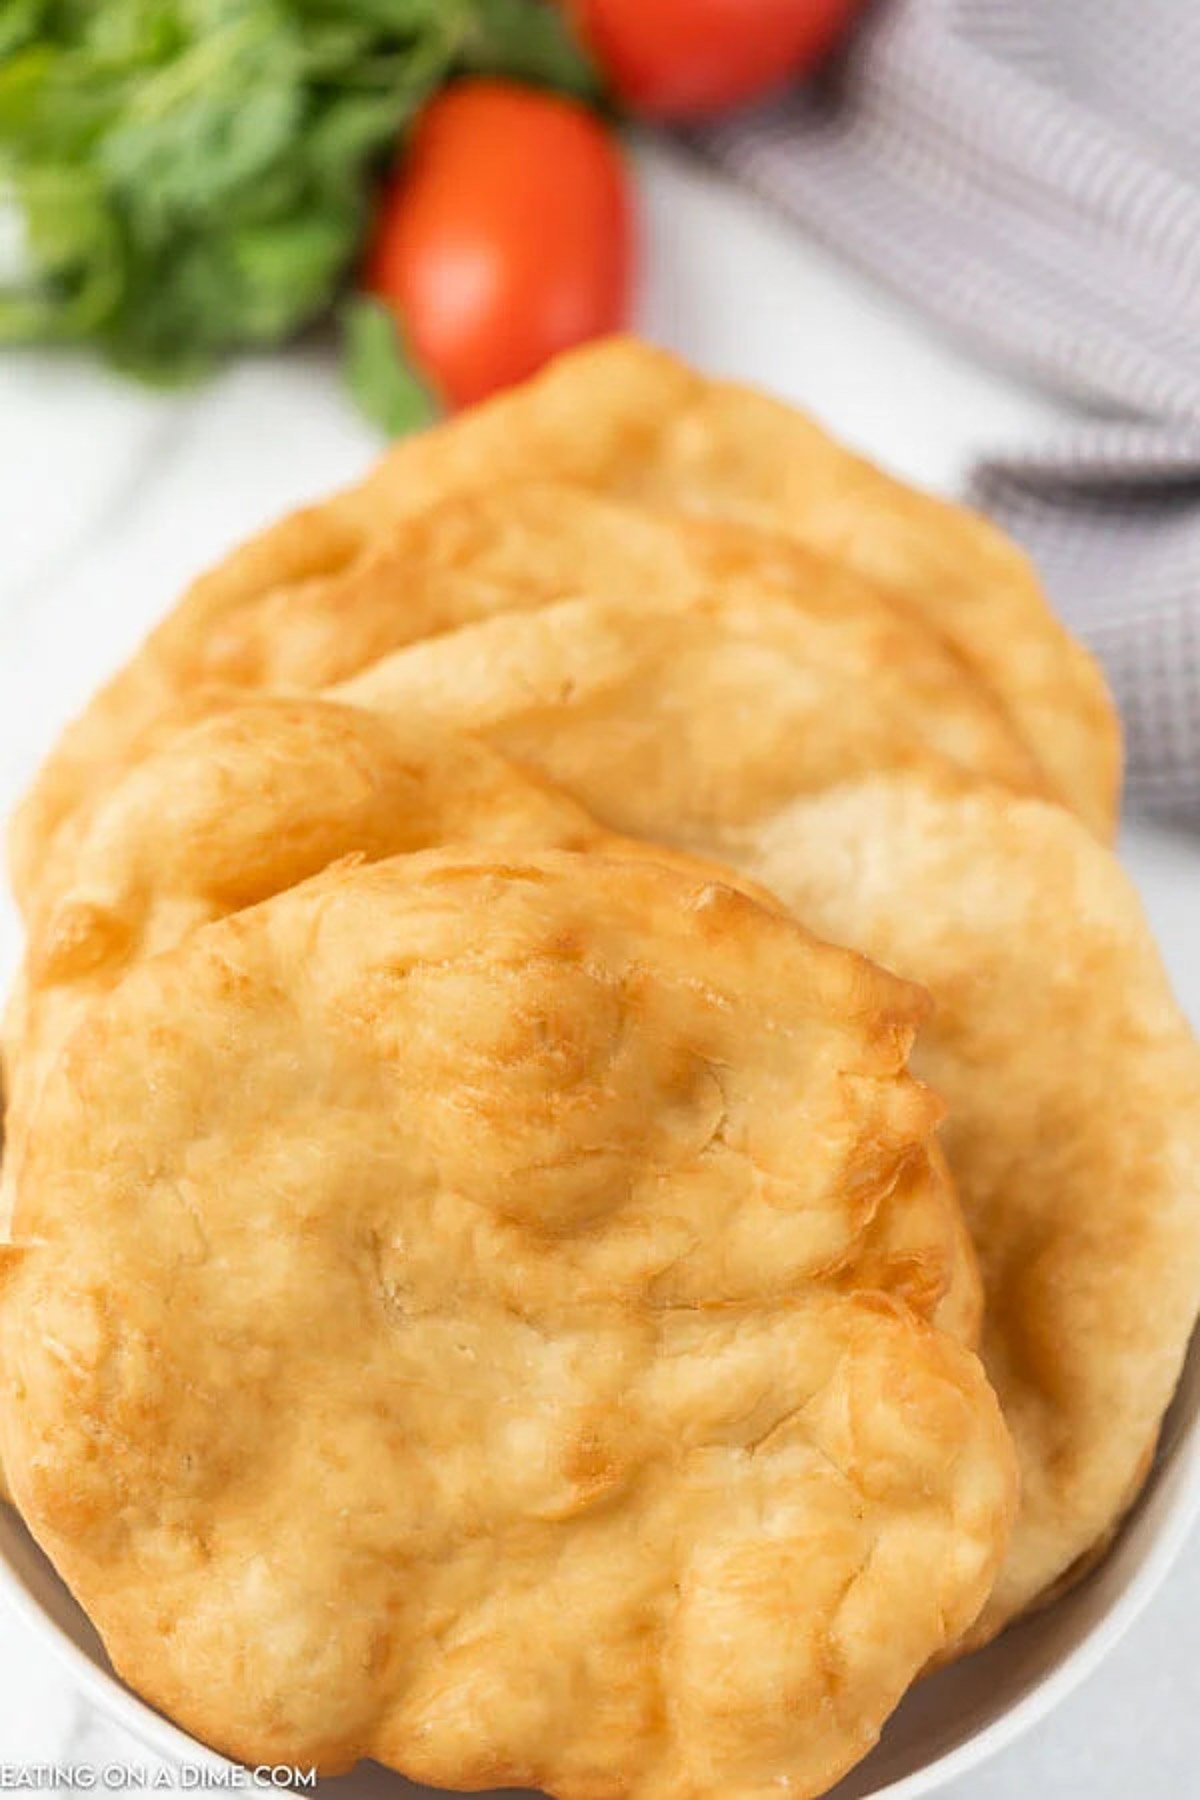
(191, 176)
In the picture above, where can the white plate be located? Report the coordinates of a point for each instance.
(731, 290)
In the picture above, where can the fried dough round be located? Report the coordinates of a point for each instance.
(435, 1333)
(625, 418)
(239, 806)
(497, 551)
(700, 722)
(267, 793)
(1072, 1082)
(1073, 1088)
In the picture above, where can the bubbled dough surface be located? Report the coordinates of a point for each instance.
(429, 541)
(1073, 1087)
(1072, 1081)
(624, 418)
(493, 1421)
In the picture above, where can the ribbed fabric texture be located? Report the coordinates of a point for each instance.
(1028, 173)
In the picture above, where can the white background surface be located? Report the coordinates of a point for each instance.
(110, 499)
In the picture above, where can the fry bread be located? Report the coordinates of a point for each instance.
(1072, 1082)
(429, 542)
(434, 1333)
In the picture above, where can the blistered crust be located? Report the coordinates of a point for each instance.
(628, 418)
(240, 805)
(436, 1336)
(691, 726)
(632, 419)
(1073, 1088)
(269, 792)
(429, 541)
(1003, 908)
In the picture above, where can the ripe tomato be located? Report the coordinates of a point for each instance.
(685, 59)
(504, 237)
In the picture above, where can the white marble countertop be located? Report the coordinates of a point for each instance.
(111, 498)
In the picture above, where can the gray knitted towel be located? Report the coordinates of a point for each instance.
(1028, 171)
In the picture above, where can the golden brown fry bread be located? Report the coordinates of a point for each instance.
(629, 419)
(1073, 1087)
(708, 720)
(454, 1353)
(497, 551)
(256, 798)
(239, 806)
(632, 419)
(259, 797)
(236, 806)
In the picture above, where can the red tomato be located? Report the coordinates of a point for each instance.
(685, 59)
(504, 237)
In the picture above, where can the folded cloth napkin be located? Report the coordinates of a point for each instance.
(1028, 172)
